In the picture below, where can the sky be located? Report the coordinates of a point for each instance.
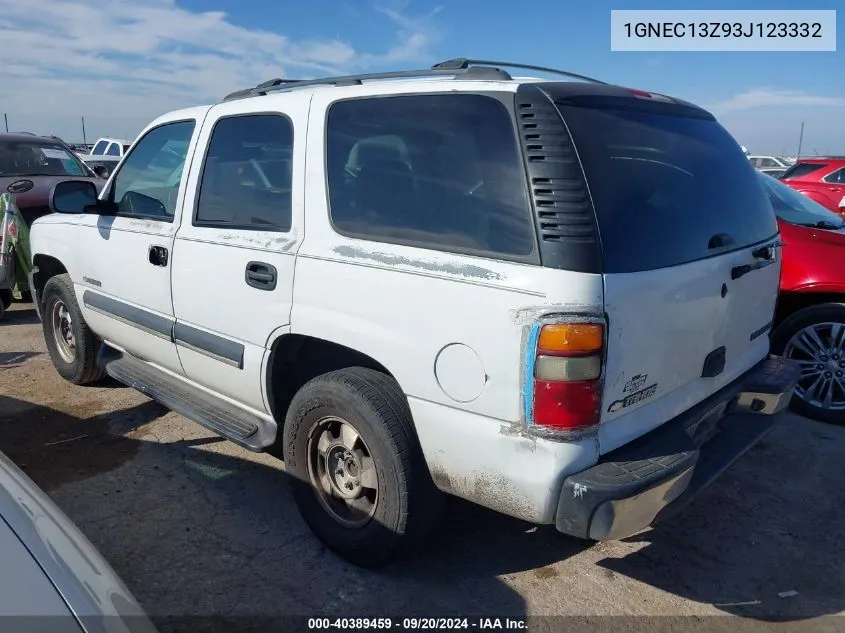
(121, 63)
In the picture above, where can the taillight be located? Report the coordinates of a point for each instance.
(564, 373)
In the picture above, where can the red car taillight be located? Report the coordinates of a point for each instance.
(565, 376)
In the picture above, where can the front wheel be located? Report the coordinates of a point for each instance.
(815, 338)
(359, 477)
(73, 347)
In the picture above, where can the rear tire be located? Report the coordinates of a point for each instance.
(357, 472)
(73, 347)
(815, 337)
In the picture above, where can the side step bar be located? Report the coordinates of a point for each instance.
(241, 427)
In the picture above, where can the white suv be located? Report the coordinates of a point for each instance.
(550, 298)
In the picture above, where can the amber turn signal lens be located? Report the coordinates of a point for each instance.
(571, 338)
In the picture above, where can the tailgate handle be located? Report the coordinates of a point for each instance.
(765, 256)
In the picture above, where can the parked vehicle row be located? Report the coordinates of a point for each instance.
(405, 289)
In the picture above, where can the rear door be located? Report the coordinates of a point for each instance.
(690, 283)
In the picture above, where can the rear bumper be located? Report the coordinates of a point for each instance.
(653, 477)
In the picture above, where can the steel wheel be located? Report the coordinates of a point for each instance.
(820, 350)
(342, 472)
(62, 325)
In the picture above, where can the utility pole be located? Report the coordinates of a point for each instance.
(6, 118)
(800, 139)
(84, 140)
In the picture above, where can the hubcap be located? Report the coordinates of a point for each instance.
(342, 472)
(63, 332)
(820, 350)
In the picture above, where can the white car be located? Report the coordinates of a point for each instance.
(770, 162)
(420, 282)
(52, 577)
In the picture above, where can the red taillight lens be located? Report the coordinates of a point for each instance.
(566, 376)
(567, 405)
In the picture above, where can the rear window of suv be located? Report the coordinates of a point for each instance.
(667, 189)
(802, 169)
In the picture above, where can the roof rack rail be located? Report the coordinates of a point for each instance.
(272, 85)
(462, 63)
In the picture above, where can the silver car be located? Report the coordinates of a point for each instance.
(52, 578)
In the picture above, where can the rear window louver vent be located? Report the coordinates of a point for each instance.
(564, 212)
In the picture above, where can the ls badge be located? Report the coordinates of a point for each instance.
(633, 398)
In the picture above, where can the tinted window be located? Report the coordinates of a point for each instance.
(38, 159)
(837, 177)
(126, 148)
(114, 150)
(769, 162)
(435, 171)
(802, 169)
(246, 180)
(100, 147)
(796, 208)
(147, 183)
(664, 185)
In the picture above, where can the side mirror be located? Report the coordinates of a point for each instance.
(101, 170)
(73, 196)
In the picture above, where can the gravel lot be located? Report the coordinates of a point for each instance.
(199, 527)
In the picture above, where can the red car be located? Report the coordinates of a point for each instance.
(821, 179)
(809, 324)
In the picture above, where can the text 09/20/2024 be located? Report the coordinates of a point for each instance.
(416, 624)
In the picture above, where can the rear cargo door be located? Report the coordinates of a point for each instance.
(690, 258)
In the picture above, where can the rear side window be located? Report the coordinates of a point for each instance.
(802, 169)
(246, 178)
(837, 177)
(667, 189)
(114, 150)
(434, 171)
(100, 148)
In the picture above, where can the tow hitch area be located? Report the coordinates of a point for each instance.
(653, 477)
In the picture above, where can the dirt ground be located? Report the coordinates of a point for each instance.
(199, 527)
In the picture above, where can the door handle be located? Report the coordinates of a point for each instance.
(157, 255)
(261, 276)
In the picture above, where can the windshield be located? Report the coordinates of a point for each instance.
(796, 208)
(38, 158)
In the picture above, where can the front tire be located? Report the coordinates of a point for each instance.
(358, 475)
(815, 338)
(73, 347)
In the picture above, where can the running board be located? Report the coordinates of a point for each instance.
(241, 427)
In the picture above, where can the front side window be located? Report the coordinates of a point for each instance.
(38, 158)
(114, 150)
(100, 148)
(433, 171)
(247, 174)
(147, 184)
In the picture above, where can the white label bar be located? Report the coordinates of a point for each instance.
(772, 30)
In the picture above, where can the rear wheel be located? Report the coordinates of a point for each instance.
(815, 338)
(359, 477)
(72, 345)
